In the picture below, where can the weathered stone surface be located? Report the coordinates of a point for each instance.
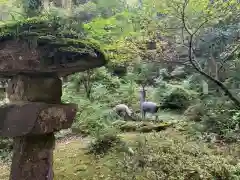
(18, 120)
(34, 123)
(39, 46)
(35, 118)
(32, 158)
(54, 118)
(35, 89)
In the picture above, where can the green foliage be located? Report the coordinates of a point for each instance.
(92, 118)
(111, 34)
(95, 82)
(145, 74)
(104, 77)
(97, 113)
(110, 29)
(195, 112)
(109, 8)
(10, 11)
(104, 142)
(221, 121)
(6, 146)
(85, 12)
(175, 97)
(218, 117)
(32, 7)
(236, 116)
(156, 156)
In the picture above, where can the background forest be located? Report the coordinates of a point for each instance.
(185, 53)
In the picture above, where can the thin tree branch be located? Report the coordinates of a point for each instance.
(190, 57)
(183, 17)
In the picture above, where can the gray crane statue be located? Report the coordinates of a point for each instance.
(147, 106)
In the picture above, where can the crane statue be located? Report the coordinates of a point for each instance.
(124, 111)
(147, 106)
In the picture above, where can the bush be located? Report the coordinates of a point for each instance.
(176, 98)
(92, 120)
(6, 146)
(6, 143)
(195, 112)
(219, 117)
(92, 116)
(105, 78)
(221, 122)
(103, 143)
(160, 157)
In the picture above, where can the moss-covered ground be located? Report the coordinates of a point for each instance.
(168, 153)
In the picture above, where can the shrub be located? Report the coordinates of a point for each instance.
(103, 143)
(218, 120)
(160, 157)
(6, 146)
(105, 78)
(92, 120)
(176, 98)
(6, 143)
(195, 112)
(219, 117)
(92, 116)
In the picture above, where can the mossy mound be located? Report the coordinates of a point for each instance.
(55, 46)
(144, 127)
(151, 128)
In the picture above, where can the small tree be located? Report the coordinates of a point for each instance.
(85, 79)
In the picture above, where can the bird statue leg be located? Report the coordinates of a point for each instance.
(143, 115)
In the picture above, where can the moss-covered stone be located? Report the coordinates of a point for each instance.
(151, 128)
(12, 29)
(46, 29)
(55, 46)
(143, 127)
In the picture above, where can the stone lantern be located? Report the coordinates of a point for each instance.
(34, 55)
